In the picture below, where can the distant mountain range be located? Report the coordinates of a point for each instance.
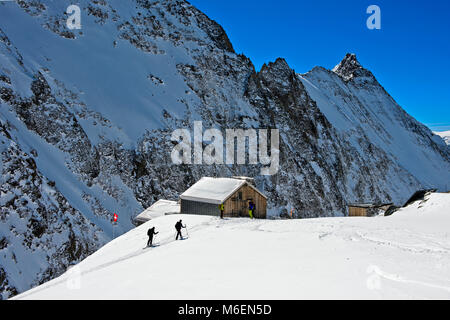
(444, 135)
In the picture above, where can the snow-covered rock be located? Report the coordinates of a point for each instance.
(90, 114)
(444, 135)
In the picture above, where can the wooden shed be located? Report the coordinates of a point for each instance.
(205, 196)
(367, 209)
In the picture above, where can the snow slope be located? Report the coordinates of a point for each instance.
(403, 256)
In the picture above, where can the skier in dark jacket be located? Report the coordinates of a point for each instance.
(150, 234)
(178, 226)
(251, 209)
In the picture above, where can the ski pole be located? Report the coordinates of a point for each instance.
(187, 233)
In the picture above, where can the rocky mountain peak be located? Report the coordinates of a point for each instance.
(277, 74)
(214, 30)
(350, 68)
(280, 65)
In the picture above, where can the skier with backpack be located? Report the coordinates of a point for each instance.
(251, 209)
(151, 232)
(178, 227)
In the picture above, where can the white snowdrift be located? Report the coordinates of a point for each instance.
(404, 256)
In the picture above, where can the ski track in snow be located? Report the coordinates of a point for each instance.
(397, 278)
(415, 248)
(165, 241)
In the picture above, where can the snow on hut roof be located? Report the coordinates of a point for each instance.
(159, 208)
(368, 205)
(213, 190)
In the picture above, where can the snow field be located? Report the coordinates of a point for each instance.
(404, 256)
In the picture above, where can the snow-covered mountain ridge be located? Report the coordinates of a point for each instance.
(86, 118)
(444, 135)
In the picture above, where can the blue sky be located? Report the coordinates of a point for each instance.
(410, 55)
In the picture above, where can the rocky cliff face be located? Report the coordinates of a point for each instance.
(87, 116)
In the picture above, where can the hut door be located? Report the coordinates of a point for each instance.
(243, 205)
(239, 204)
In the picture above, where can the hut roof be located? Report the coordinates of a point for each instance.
(159, 208)
(214, 190)
(368, 205)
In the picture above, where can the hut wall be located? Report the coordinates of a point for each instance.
(201, 208)
(357, 212)
(237, 204)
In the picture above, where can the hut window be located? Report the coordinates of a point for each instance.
(240, 195)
